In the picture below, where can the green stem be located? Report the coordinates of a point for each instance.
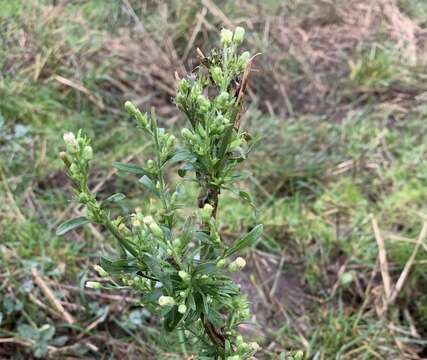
(160, 172)
(115, 232)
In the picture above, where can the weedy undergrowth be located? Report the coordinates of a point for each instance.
(179, 264)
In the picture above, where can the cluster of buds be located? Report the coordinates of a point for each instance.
(78, 156)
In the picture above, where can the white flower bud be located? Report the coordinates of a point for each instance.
(70, 139)
(166, 301)
(240, 262)
(182, 309)
(101, 272)
(226, 36)
(237, 264)
(93, 285)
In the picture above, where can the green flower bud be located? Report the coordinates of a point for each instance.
(239, 34)
(243, 60)
(84, 198)
(299, 355)
(206, 212)
(166, 301)
(226, 37)
(183, 86)
(182, 309)
(188, 135)
(216, 74)
(204, 103)
(87, 153)
(150, 165)
(223, 98)
(134, 111)
(153, 226)
(221, 263)
(93, 285)
(74, 169)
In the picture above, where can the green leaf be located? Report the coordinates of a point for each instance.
(130, 168)
(172, 318)
(71, 224)
(148, 184)
(117, 267)
(114, 198)
(181, 155)
(27, 331)
(248, 240)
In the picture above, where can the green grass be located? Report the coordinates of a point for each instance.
(315, 177)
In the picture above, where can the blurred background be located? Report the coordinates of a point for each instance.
(338, 97)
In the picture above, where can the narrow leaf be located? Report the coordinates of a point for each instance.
(130, 168)
(248, 240)
(148, 184)
(71, 224)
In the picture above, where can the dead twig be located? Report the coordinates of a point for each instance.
(408, 266)
(382, 258)
(51, 297)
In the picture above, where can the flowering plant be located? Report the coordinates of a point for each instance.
(180, 268)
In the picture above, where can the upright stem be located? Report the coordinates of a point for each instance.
(160, 172)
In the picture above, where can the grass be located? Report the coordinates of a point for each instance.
(317, 174)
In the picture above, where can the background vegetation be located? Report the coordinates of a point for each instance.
(339, 99)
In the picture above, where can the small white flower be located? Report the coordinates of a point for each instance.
(166, 301)
(240, 262)
(182, 309)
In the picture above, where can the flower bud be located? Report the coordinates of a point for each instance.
(182, 309)
(101, 272)
(204, 103)
(222, 99)
(239, 34)
(226, 37)
(150, 165)
(74, 169)
(299, 355)
(243, 60)
(187, 134)
(93, 285)
(206, 212)
(166, 301)
(136, 113)
(240, 262)
(154, 227)
(70, 140)
(237, 264)
(221, 263)
(216, 74)
(183, 86)
(87, 153)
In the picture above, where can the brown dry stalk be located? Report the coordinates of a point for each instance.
(51, 297)
(408, 266)
(382, 258)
